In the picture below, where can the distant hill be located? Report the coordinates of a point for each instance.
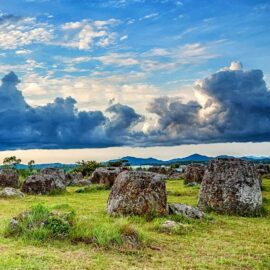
(47, 165)
(139, 161)
(191, 158)
(134, 161)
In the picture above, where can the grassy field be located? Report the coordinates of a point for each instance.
(219, 242)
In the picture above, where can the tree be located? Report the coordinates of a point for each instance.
(31, 164)
(87, 167)
(11, 162)
(118, 163)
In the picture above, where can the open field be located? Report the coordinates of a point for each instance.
(218, 242)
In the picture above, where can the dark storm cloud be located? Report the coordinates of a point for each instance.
(233, 106)
(58, 124)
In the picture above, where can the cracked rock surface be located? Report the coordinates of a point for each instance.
(231, 186)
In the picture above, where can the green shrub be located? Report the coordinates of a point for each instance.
(86, 167)
(41, 224)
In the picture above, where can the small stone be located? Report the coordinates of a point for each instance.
(169, 224)
(10, 192)
(185, 210)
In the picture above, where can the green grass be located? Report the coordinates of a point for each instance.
(218, 242)
(92, 188)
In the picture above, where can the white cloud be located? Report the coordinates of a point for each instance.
(85, 34)
(118, 59)
(93, 92)
(16, 32)
(124, 37)
(29, 65)
(149, 16)
(157, 52)
(22, 52)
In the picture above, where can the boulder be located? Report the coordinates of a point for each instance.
(138, 193)
(158, 169)
(105, 176)
(263, 169)
(42, 184)
(82, 183)
(10, 192)
(231, 186)
(9, 178)
(74, 179)
(56, 173)
(185, 210)
(175, 175)
(194, 173)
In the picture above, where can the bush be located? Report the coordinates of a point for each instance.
(24, 173)
(41, 224)
(86, 167)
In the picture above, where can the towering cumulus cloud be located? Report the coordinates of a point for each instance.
(58, 124)
(232, 105)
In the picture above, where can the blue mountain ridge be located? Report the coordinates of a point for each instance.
(135, 161)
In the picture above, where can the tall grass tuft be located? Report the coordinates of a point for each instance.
(40, 224)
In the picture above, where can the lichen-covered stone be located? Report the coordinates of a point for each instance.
(138, 193)
(175, 175)
(231, 186)
(42, 184)
(158, 169)
(10, 192)
(194, 173)
(75, 179)
(169, 225)
(105, 176)
(9, 178)
(55, 172)
(263, 169)
(185, 210)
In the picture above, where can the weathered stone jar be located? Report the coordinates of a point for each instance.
(9, 178)
(194, 173)
(231, 186)
(49, 181)
(105, 176)
(138, 193)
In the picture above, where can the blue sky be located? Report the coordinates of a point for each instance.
(140, 73)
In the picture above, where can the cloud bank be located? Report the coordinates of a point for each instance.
(232, 105)
(59, 124)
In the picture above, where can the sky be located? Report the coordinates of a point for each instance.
(163, 78)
